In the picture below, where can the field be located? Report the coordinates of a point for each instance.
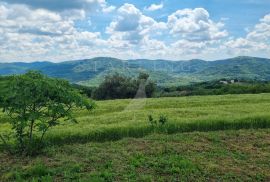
(206, 138)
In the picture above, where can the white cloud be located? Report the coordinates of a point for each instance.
(185, 46)
(127, 20)
(256, 42)
(261, 31)
(108, 9)
(242, 44)
(41, 34)
(195, 25)
(30, 34)
(131, 26)
(154, 7)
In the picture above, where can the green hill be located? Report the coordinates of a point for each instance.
(92, 71)
(115, 142)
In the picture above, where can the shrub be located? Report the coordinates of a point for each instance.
(151, 120)
(163, 119)
(35, 102)
(157, 123)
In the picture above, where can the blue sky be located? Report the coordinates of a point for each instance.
(59, 30)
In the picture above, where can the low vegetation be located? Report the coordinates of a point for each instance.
(35, 103)
(198, 156)
(116, 119)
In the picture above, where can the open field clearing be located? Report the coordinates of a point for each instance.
(116, 119)
(115, 142)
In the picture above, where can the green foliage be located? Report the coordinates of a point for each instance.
(157, 123)
(36, 103)
(117, 86)
(151, 120)
(219, 87)
(84, 90)
(162, 119)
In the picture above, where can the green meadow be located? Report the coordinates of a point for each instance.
(206, 138)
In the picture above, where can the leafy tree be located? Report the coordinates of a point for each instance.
(36, 103)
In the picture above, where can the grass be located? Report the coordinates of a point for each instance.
(229, 155)
(204, 140)
(113, 120)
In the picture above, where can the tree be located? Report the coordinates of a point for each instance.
(35, 103)
(118, 86)
(150, 86)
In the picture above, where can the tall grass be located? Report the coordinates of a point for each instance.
(116, 133)
(111, 121)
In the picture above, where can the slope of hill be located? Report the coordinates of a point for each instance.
(116, 142)
(92, 71)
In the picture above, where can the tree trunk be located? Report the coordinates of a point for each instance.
(31, 131)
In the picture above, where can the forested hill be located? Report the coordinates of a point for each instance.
(92, 71)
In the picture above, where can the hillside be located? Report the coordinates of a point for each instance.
(92, 71)
(115, 142)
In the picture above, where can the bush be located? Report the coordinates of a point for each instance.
(163, 119)
(36, 103)
(157, 123)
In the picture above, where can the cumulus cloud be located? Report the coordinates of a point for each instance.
(154, 7)
(195, 25)
(131, 26)
(128, 19)
(257, 40)
(31, 32)
(261, 31)
(39, 34)
(23, 20)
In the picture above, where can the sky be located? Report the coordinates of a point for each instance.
(61, 30)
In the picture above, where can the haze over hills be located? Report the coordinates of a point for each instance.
(92, 71)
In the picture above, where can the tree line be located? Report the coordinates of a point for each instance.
(216, 87)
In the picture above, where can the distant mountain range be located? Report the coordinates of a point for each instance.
(92, 71)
